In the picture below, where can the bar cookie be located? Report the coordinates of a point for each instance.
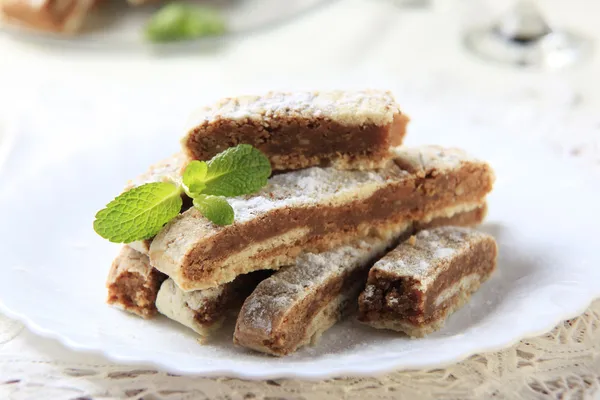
(64, 16)
(205, 310)
(344, 129)
(418, 285)
(133, 284)
(298, 303)
(317, 209)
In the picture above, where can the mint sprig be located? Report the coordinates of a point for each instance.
(177, 21)
(141, 212)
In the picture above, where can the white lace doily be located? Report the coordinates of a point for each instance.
(563, 364)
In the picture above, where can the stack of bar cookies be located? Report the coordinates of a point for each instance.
(350, 221)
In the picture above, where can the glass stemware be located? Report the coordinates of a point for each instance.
(522, 37)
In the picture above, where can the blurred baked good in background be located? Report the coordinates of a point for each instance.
(116, 22)
(65, 16)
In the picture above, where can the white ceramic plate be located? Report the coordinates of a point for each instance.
(74, 152)
(115, 25)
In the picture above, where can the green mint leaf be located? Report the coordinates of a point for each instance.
(236, 171)
(177, 21)
(194, 177)
(168, 23)
(205, 21)
(139, 213)
(215, 208)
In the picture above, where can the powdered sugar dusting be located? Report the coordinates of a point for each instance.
(308, 187)
(257, 311)
(345, 107)
(426, 158)
(443, 252)
(421, 260)
(386, 264)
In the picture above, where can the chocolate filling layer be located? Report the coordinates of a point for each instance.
(294, 140)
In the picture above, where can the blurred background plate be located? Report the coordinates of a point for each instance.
(117, 25)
